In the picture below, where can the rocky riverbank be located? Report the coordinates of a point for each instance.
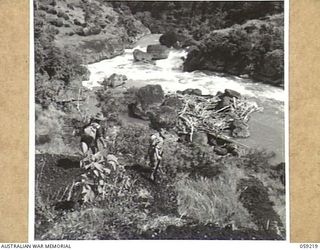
(254, 49)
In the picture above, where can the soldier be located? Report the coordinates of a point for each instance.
(155, 151)
(92, 133)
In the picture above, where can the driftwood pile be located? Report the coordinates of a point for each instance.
(205, 114)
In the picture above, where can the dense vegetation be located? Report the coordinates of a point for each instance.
(198, 18)
(200, 193)
(254, 48)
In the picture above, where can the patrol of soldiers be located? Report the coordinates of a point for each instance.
(94, 133)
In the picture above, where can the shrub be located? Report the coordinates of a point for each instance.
(56, 22)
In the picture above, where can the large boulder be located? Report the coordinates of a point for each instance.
(169, 39)
(158, 51)
(150, 95)
(141, 56)
(115, 80)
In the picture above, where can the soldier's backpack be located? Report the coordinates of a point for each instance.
(91, 130)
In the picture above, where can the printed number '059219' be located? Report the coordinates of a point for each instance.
(308, 245)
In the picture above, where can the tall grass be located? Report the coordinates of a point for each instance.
(214, 200)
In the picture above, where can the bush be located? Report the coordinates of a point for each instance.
(56, 22)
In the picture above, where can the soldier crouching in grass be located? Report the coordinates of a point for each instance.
(155, 151)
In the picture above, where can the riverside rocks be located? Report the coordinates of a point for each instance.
(149, 95)
(154, 52)
(158, 51)
(197, 118)
(234, 51)
(147, 98)
(163, 117)
(115, 80)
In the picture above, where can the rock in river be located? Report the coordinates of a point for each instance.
(139, 56)
(158, 51)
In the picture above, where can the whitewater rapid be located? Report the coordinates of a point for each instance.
(168, 72)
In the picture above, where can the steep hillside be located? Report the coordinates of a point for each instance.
(94, 30)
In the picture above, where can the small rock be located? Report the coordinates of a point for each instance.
(115, 80)
(139, 55)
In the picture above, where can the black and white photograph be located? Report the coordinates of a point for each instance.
(160, 120)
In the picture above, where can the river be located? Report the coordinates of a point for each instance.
(266, 127)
